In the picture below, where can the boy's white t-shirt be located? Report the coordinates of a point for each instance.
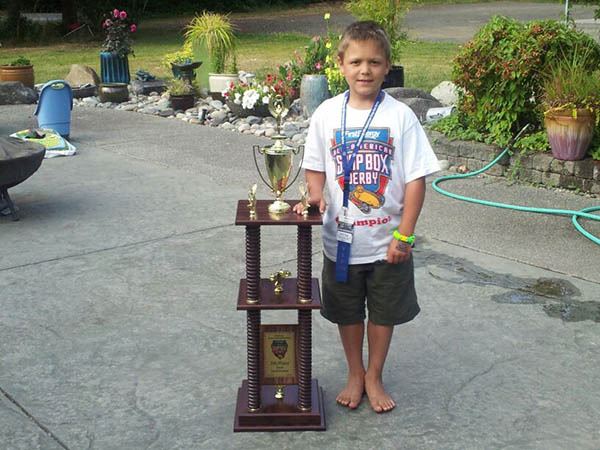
(394, 152)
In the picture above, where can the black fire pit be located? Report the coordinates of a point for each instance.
(18, 161)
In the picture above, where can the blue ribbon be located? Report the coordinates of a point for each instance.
(343, 248)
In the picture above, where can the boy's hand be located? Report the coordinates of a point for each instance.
(398, 252)
(298, 207)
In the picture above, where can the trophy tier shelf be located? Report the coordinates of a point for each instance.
(263, 217)
(288, 299)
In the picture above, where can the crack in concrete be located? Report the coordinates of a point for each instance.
(464, 384)
(91, 438)
(116, 247)
(153, 421)
(33, 419)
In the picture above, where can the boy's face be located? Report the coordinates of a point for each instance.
(364, 65)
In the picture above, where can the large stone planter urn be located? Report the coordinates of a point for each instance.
(313, 91)
(114, 68)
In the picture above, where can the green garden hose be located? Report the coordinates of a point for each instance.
(575, 215)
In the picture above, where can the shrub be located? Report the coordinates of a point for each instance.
(389, 14)
(500, 73)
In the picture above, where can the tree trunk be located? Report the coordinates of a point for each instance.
(13, 15)
(69, 13)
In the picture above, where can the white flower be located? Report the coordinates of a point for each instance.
(265, 89)
(249, 99)
(266, 99)
(237, 100)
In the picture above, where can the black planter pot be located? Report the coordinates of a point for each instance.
(261, 110)
(182, 102)
(394, 78)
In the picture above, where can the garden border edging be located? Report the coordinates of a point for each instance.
(540, 168)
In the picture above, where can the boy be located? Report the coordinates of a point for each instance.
(367, 227)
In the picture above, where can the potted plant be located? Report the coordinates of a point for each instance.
(181, 94)
(184, 57)
(248, 99)
(389, 14)
(114, 63)
(20, 69)
(319, 57)
(214, 35)
(571, 101)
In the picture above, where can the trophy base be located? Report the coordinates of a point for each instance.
(279, 207)
(280, 415)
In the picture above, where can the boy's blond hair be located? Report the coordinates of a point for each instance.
(363, 31)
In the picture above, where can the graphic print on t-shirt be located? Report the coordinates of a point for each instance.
(371, 170)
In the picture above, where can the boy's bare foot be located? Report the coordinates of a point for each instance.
(352, 394)
(380, 401)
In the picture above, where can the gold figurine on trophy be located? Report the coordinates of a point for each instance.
(304, 198)
(277, 278)
(252, 201)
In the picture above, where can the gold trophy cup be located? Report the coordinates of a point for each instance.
(278, 158)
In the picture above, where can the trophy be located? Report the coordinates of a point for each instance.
(278, 158)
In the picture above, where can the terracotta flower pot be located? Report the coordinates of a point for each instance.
(24, 74)
(569, 136)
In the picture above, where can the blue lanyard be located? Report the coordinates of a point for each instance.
(348, 163)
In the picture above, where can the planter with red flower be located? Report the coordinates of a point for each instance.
(114, 63)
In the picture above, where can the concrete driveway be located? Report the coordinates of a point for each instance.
(118, 327)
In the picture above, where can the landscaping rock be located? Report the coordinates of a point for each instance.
(216, 104)
(80, 75)
(227, 126)
(217, 118)
(446, 93)
(166, 112)
(253, 120)
(127, 107)
(92, 101)
(16, 93)
(148, 87)
(404, 93)
(420, 106)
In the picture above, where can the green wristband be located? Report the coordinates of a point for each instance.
(402, 238)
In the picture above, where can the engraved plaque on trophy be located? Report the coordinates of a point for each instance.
(278, 354)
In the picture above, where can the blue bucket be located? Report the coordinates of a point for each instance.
(54, 107)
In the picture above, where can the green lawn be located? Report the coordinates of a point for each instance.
(426, 63)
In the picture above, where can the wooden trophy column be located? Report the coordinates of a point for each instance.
(301, 405)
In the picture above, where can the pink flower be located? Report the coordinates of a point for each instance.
(115, 13)
(133, 28)
(318, 66)
(123, 15)
(107, 23)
